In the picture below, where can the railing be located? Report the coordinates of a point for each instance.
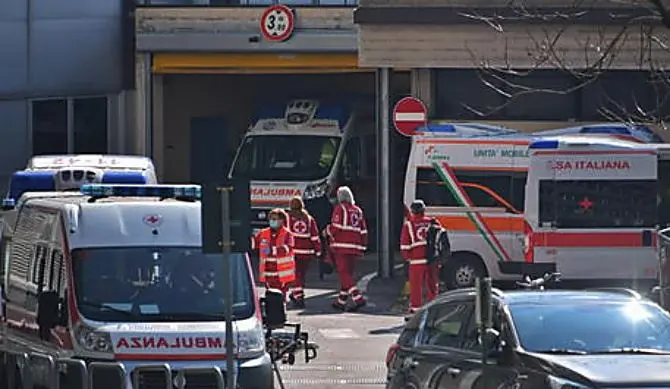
(43, 371)
(247, 3)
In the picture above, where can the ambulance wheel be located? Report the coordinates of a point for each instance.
(462, 270)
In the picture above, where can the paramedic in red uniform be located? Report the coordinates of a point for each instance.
(349, 235)
(413, 249)
(275, 247)
(307, 246)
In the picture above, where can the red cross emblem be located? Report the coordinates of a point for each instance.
(153, 220)
(421, 233)
(586, 204)
(300, 226)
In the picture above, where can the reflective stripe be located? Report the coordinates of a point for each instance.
(315, 238)
(297, 289)
(303, 251)
(410, 230)
(419, 244)
(303, 236)
(285, 247)
(418, 261)
(357, 297)
(348, 246)
(279, 261)
(364, 231)
(280, 274)
(353, 290)
(405, 246)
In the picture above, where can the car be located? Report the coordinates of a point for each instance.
(553, 339)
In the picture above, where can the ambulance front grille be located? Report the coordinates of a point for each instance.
(156, 380)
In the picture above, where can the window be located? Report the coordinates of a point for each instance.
(351, 161)
(90, 125)
(598, 203)
(50, 127)
(409, 333)
(56, 272)
(445, 322)
(68, 126)
(485, 189)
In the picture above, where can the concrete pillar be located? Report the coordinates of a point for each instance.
(422, 87)
(143, 105)
(158, 130)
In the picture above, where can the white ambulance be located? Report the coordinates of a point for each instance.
(116, 274)
(593, 206)
(307, 148)
(475, 187)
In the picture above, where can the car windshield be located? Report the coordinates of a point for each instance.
(157, 284)
(287, 158)
(591, 327)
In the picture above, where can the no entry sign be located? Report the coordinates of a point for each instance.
(409, 114)
(277, 23)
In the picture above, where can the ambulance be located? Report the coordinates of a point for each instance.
(593, 206)
(116, 273)
(475, 187)
(70, 172)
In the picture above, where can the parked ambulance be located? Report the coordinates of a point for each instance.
(116, 273)
(70, 172)
(593, 206)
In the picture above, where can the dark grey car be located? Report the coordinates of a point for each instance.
(548, 339)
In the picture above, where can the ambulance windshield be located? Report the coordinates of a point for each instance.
(122, 284)
(286, 157)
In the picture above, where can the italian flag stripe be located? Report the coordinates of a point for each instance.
(464, 200)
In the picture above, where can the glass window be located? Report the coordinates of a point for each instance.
(90, 125)
(445, 322)
(411, 330)
(299, 157)
(591, 326)
(157, 283)
(598, 203)
(664, 193)
(485, 188)
(370, 150)
(49, 122)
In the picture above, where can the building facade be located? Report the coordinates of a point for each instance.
(61, 79)
(523, 61)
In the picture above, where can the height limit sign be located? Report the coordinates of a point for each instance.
(409, 114)
(277, 23)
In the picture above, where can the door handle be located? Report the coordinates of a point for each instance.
(453, 371)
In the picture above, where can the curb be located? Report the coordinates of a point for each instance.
(363, 283)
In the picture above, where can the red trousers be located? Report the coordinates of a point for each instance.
(423, 276)
(344, 264)
(301, 268)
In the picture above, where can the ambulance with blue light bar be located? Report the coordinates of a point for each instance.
(117, 273)
(307, 148)
(69, 172)
(593, 206)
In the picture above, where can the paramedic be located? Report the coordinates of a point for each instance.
(275, 246)
(413, 247)
(349, 238)
(307, 246)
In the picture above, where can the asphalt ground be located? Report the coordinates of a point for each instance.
(352, 346)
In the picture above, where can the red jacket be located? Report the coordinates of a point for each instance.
(413, 239)
(276, 266)
(306, 236)
(348, 230)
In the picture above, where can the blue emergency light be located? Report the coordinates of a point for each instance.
(547, 144)
(31, 181)
(192, 192)
(124, 177)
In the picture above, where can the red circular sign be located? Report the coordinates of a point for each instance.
(409, 114)
(277, 23)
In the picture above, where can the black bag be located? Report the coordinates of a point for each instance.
(438, 247)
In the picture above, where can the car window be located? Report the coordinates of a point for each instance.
(471, 334)
(408, 335)
(445, 323)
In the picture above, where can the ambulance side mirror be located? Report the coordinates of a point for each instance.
(273, 310)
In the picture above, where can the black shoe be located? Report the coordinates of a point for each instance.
(339, 306)
(299, 303)
(358, 305)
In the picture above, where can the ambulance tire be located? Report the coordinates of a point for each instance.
(462, 269)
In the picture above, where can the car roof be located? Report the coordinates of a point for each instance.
(523, 297)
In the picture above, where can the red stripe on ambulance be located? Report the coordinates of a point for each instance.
(590, 239)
